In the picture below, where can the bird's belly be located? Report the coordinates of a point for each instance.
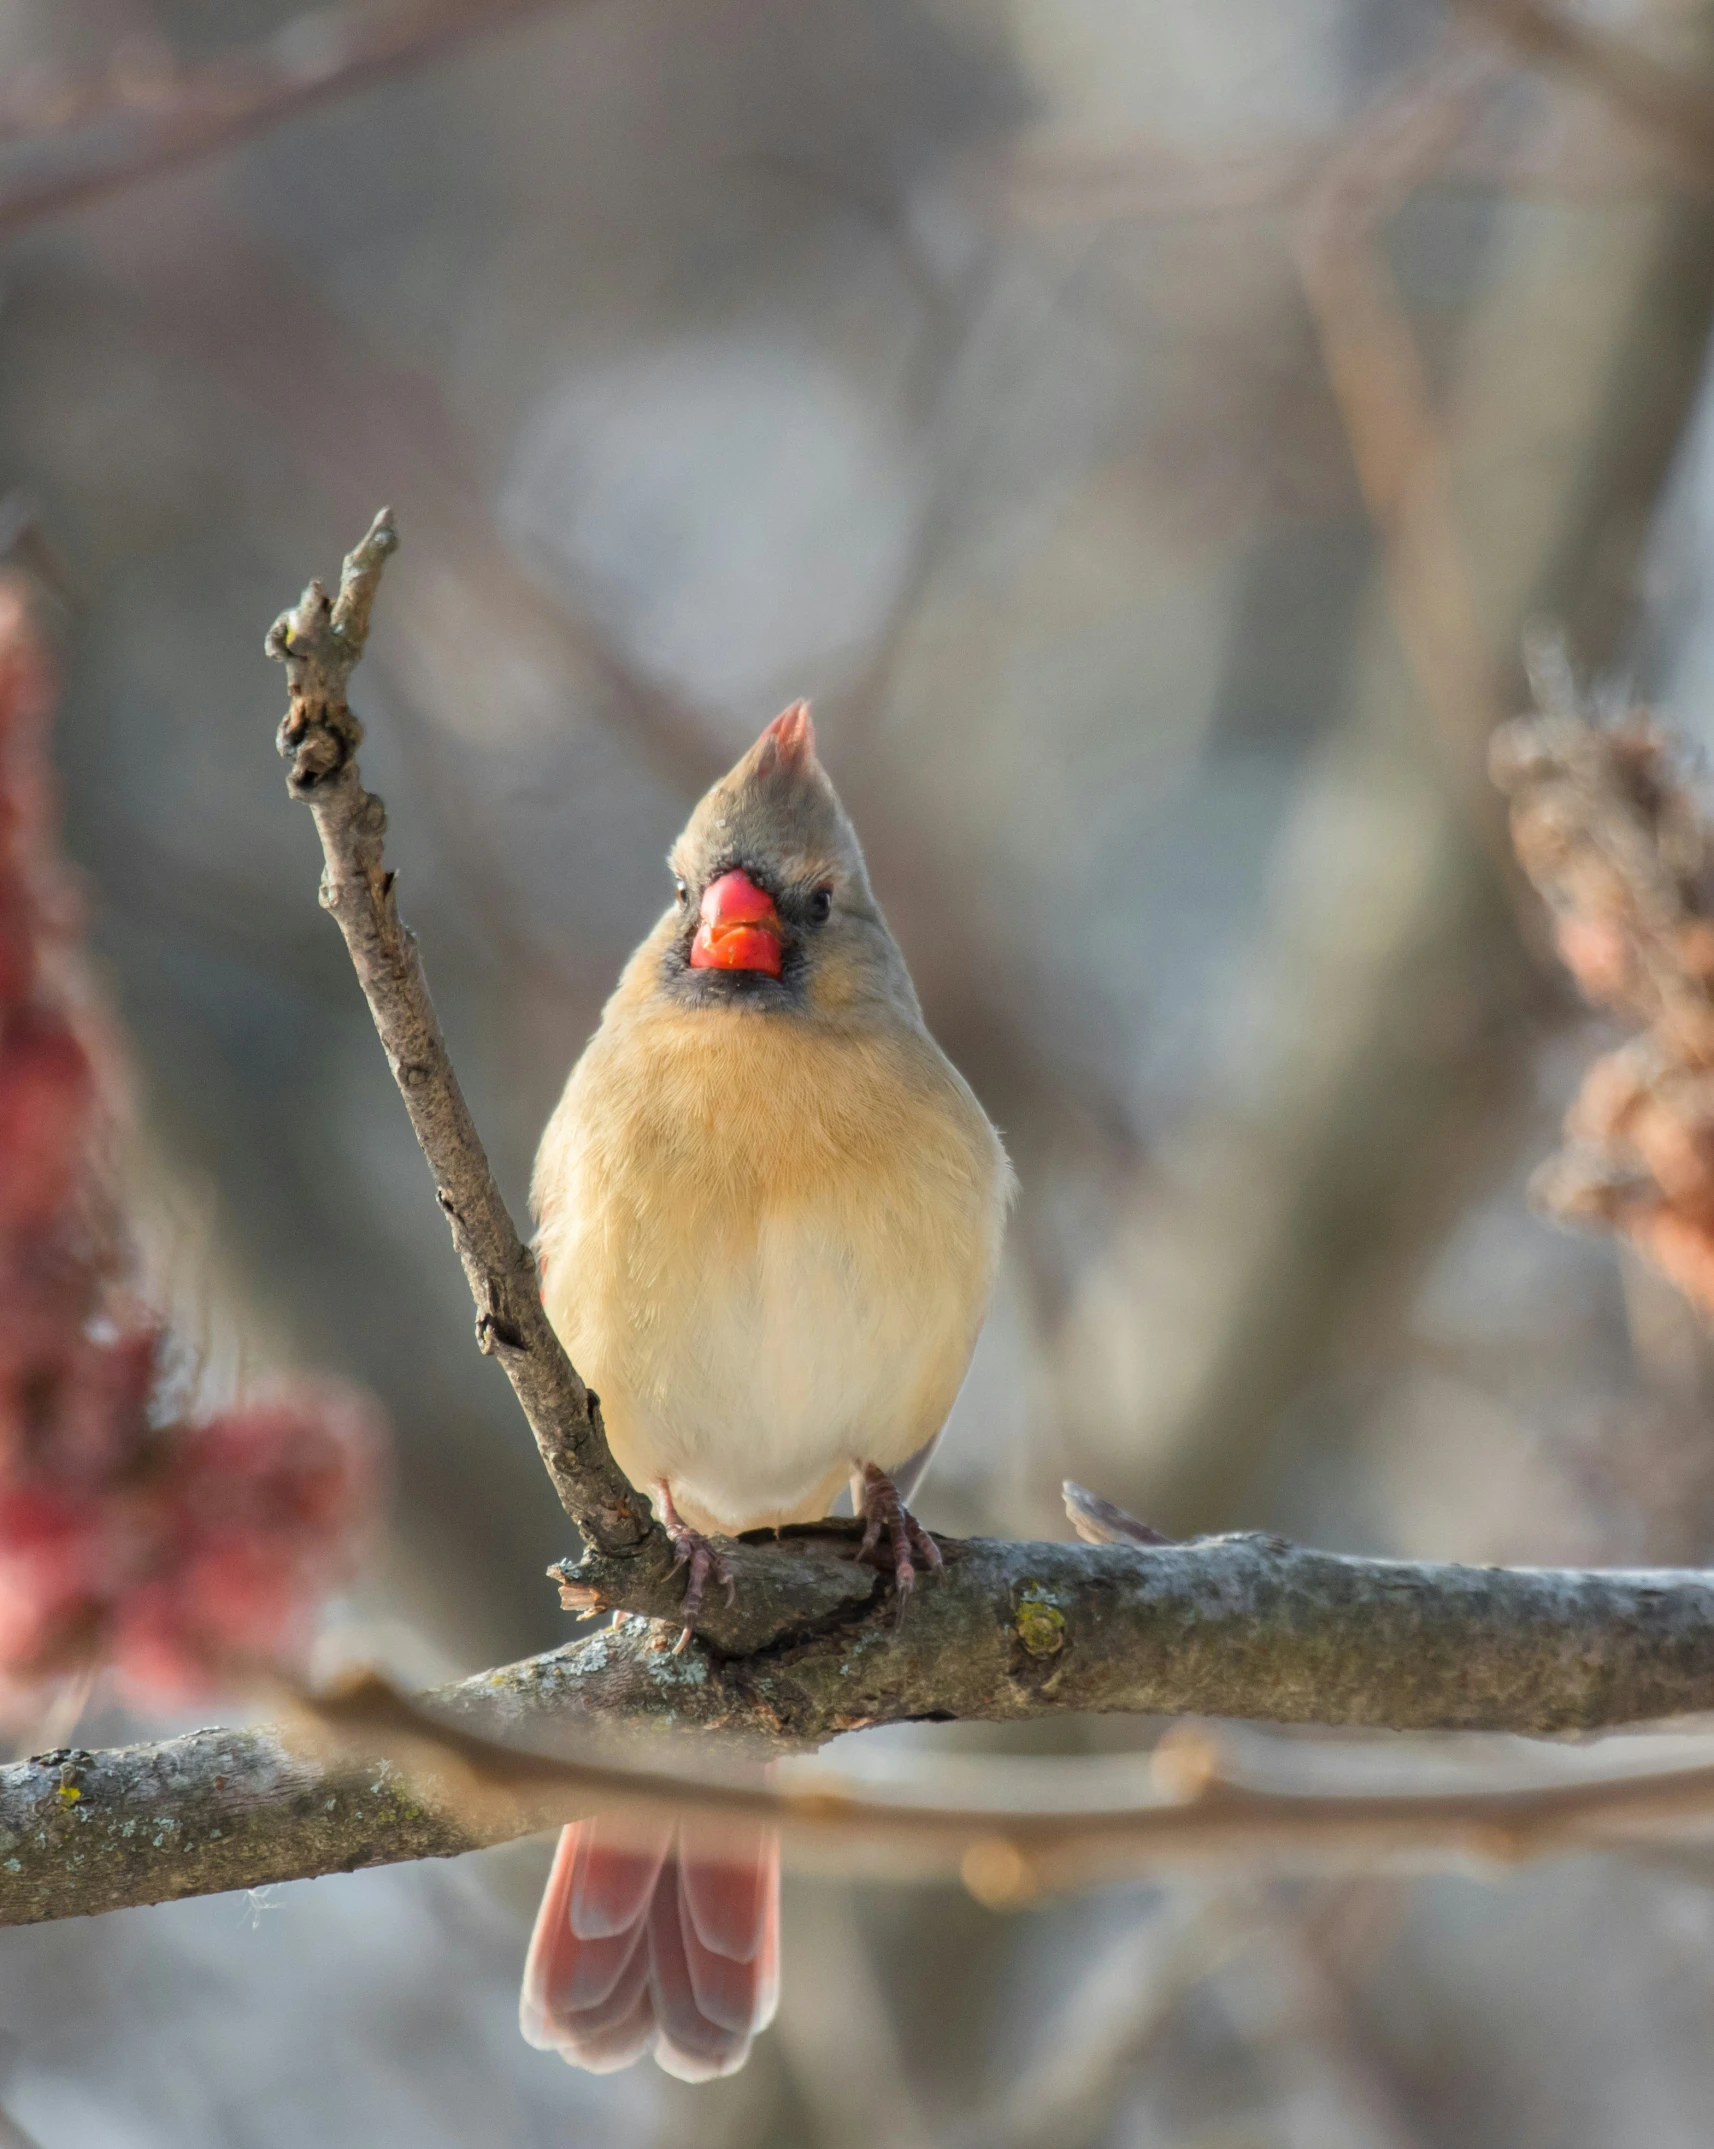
(753, 1380)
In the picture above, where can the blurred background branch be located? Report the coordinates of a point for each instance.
(1663, 100)
(70, 142)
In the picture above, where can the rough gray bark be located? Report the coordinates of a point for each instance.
(319, 643)
(1234, 1627)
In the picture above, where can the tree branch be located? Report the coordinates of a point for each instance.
(1236, 1626)
(1675, 107)
(309, 61)
(319, 643)
(1381, 386)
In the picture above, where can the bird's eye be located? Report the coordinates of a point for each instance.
(821, 904)
(681, 894)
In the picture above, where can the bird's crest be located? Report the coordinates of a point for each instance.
(788, 744)
(776, 813)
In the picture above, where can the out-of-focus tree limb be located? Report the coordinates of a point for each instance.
(1658, 97)
(1380, 383)
(319, 56)
(1232, 1627)
(148, 129)
(1318, 1194)
(1598, 159)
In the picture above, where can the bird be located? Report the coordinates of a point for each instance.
(769, 1214)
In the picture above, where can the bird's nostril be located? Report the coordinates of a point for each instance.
(734, 899)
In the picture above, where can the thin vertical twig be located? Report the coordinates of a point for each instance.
(1381, 386)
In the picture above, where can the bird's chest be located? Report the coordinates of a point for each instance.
(762, 1339)
(778, 1366)
(765, 1276)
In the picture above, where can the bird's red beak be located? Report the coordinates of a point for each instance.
(740, 927)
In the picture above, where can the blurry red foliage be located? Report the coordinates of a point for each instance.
(180, 1552)
(1611, 835)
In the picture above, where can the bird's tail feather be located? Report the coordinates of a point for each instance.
(661, 1936)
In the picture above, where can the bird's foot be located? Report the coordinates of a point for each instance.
(909, 1542)
(693, 1550)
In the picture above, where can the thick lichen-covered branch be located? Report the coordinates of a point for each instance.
(1228, 1627)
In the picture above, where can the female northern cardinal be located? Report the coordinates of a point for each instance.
(770, 1213)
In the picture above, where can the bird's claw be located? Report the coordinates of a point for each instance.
(693, 1550)
(908, 1541)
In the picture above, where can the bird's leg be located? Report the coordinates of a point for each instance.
(691, 1549)
(882, 1509)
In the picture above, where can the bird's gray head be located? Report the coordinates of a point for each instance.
(774, 910)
